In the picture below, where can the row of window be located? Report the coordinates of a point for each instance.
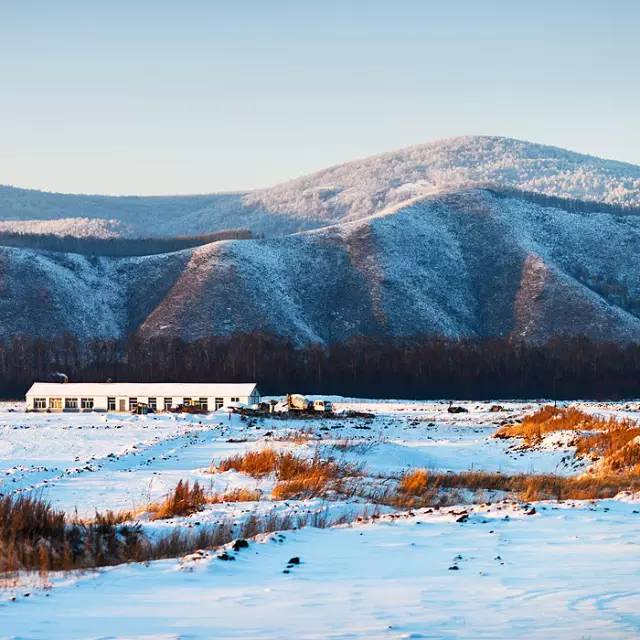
(152, 403)
(69, 403)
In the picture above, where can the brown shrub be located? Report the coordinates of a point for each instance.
(297, 476)
(254, 463)
(35, 537)
(421, 488)
(302, 486)
(414, 482)
(548, 419)
(182, 501)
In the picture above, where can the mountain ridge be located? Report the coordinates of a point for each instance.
(343, 192)
(468, 263)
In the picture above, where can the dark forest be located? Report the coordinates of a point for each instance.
(420, 367)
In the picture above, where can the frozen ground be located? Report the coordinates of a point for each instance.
(569, 570)
(111, 461)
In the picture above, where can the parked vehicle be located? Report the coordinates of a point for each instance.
(297, 402)
(323, 406)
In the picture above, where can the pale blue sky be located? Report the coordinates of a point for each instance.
(184, 97)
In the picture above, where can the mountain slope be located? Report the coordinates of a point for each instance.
(347, 192)
(472, 262)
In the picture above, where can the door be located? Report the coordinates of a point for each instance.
(121, 404)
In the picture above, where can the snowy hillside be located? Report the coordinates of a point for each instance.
(470, 263)
(346, 192)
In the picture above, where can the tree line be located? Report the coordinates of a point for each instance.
(420, 367)
(115, 247)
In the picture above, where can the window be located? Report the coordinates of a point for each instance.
(152, 403)
(186, 402)
(71, 403)
(202, 403)
(133, 404)
(55, 403)
(235, 399)
(86, 403)
(39, 403)
(111, 404)
(219, 403)
(168, 403)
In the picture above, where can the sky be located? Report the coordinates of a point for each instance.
(154, 97)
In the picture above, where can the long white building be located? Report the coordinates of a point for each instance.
(127, 396)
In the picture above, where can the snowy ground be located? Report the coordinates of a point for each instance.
(570, 570)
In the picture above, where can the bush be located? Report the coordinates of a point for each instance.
(297, 476)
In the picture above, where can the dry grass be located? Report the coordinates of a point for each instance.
(234, 495)
(185, 500)
(420, 487)
(33, 535)
(36, 537)
(182, 501)
(297, 476)
(611, 440)
(257, 464)
(618, 448)
(298, 436)
(549, 419)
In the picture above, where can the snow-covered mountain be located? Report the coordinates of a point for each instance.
(347, 192)
(468, 262)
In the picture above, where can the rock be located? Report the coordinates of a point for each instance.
(454, 567)
(294, 560)
(530, 512)
(225, 556)
(463, 518)
(454, 409)
(240, 543)
(496, 407)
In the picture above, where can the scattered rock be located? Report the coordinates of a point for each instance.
(240, 543)
(454, 409)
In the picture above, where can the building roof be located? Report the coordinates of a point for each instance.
(143, 389)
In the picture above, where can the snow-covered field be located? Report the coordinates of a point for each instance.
(561, 570)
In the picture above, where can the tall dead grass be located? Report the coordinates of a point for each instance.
(36, 537)
(423, 488)
(33, 535)
(613, 441)
(548, 419)
(186, 499)
(297, 476)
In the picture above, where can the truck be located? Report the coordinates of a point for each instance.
(297, 402)
(323, 406)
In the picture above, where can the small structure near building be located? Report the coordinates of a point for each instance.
(128, 396)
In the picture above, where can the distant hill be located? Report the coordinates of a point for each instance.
(347, 192)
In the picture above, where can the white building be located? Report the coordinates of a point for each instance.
(127, 396)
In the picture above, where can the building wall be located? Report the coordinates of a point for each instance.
(100, 403)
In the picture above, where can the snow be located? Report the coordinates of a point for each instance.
(458, 264)
(134, 389)
(569, 571)
(565, 570)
